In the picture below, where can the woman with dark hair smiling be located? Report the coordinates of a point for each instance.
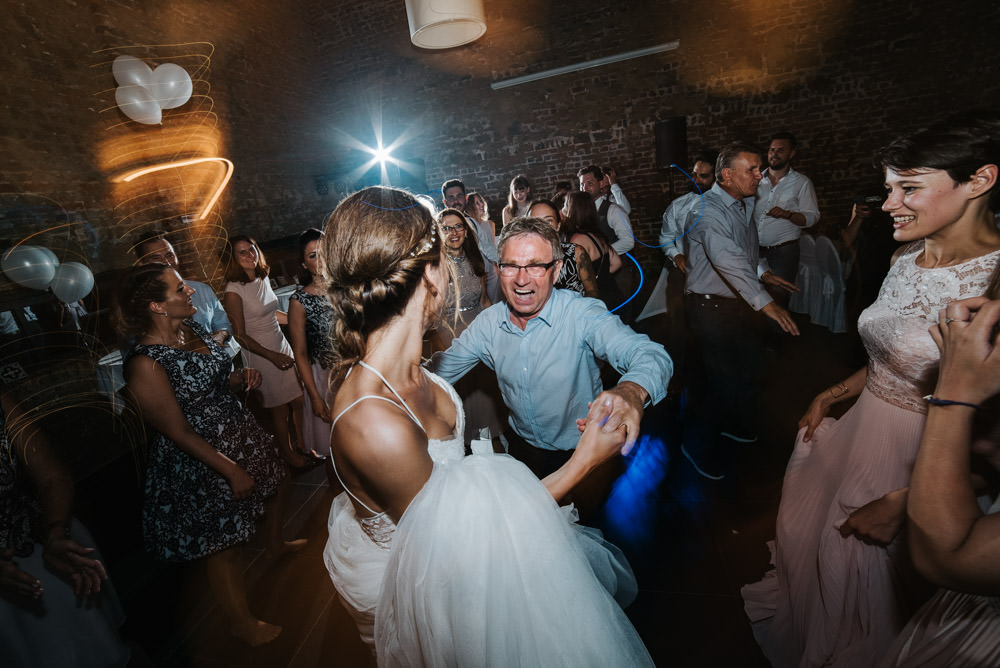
(580, 226)
(252, 308)
(837, 595)
(212, 469)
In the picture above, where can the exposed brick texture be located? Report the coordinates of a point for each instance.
(278, 86)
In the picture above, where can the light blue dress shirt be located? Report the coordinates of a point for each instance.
(210, 313)
(548, 372)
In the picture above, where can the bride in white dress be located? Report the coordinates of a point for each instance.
(442, 559)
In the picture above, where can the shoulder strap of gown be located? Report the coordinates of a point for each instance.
(355, 403)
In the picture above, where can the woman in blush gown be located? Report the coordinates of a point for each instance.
(443, 559)
(310, 318)
(838, 593)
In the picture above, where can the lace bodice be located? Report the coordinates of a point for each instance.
(902, 356)
(379, 526)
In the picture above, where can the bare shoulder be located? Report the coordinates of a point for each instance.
(374, 430)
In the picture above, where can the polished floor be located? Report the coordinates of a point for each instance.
(692, 544)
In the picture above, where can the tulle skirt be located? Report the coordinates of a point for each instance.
(486, 570)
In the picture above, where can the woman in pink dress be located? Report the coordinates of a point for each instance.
(838, 593)
(252, 308)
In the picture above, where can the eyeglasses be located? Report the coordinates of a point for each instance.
(536, 270)
(448, 229)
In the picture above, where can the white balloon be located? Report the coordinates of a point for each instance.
(136, 103)
(130, 71)
(49, 254)
(28, 266)
(73, 281)
(170, 86)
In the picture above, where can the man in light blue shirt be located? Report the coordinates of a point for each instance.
(542, 344)
(209, 313)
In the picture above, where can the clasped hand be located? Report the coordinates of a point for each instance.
(619, 407)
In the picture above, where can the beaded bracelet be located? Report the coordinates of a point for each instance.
(934, 401)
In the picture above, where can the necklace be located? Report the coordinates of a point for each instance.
(179, 341)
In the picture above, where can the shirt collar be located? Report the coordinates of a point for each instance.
(545, 315)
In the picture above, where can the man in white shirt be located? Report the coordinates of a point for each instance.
(615, 225)
(613, 219)
(613, 191)
(785, 205)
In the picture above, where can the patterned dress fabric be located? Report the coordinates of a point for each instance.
(569, 275)
(189, 510)
(319, 321)
(260, 304)
(835, 601)
(470, 288)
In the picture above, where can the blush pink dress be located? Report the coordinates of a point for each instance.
(835, 601)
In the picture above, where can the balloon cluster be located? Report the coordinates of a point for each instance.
(38, 268)
(144, 93)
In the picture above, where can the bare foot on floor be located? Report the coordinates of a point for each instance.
(255, 632)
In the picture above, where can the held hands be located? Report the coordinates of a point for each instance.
(622, 406)
(877, 522)
(970, 358)
(598, 442)
(781, 316)
(71, 560)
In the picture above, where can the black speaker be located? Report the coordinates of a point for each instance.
(671, 142)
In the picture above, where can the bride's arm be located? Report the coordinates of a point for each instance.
(595, 448)
(848, 388)
(381, 454)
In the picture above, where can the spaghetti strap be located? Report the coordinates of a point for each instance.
(393, 390)
(333, 463)
(354, 403)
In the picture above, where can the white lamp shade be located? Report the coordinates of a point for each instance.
(442, 24)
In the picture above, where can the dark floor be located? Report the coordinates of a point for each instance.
(692, 543)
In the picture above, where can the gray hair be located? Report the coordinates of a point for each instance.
(523, 225)
(729, 153)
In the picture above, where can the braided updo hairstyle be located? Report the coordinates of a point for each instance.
(377, 245)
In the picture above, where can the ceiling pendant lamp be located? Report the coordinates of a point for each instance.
(442, 24)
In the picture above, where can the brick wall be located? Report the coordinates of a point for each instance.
(281, 85)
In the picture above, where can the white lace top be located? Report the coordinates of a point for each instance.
(379, 526)
(903, 358)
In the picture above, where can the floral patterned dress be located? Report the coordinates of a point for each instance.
(319, 346)
(189, 510)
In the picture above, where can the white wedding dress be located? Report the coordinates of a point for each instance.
(483, 569)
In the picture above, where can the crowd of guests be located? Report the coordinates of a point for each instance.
(417, 331)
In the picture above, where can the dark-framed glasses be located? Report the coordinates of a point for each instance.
(448, 229)
(536, 270)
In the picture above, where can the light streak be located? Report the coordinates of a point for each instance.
(130, 176)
